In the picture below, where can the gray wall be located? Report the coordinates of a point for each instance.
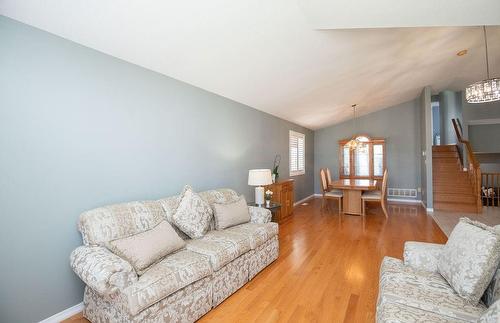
(480, 111)
(485, 138)
(399, 125)
(80, 129)
(426, 141)
(450, 107)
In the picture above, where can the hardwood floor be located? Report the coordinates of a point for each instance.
(328, 266)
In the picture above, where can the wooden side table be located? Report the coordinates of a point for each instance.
(284, 195)
(273, 207)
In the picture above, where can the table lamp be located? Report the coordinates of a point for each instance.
(259, 178)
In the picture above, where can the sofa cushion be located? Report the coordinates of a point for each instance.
(469, 259)
(422, 255)
(492, 293)
(101, 225)
(220, 246)
(424, 290)
(492, 315)
(193, 214)
(173, 273)
(256, 232)
(231, 214)
(388, 312)
(145, 248)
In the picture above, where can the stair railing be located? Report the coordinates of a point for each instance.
(490, 189)
(473, 167)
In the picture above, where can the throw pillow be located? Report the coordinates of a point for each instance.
(193, 214)
(231, 214)
(469, 258)
(143, 249)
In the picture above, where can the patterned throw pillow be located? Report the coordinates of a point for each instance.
(470, 258)
(193, 214)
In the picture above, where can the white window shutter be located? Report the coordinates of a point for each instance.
(297, 153)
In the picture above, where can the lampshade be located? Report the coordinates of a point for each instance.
(259, 177)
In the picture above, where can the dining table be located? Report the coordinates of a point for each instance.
(352, 190)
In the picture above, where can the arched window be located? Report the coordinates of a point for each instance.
(366, 160)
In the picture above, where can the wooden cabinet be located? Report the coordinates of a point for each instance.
(283, 194)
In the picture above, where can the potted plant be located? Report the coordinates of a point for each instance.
(277, 161)
(268, 196)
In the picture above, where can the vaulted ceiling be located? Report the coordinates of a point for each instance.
(268, 54)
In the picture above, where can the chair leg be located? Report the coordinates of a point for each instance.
(382, 202)
(340, 205)
(363, 207)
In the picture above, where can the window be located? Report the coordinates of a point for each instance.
(297, 153)
(367, 161)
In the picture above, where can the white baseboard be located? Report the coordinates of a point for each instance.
(304, 199)
(65, 314)
(428, 209)
(409, 201)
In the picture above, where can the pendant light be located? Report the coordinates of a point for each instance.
(354, 142)
(487, 90)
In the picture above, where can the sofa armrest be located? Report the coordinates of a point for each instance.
(422, 255)
(102, 270)
(259, 214)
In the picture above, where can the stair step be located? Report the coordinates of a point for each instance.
(446, 160)
(456, 207)
(457, 189)
(452, 182)
(450, 171)
(444, 154)
(453, 197)
(446, 168)
(452, 178)
(452, 148)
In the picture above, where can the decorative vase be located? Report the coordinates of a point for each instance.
(268, 202)
(274, 176)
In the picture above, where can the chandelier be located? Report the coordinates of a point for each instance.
(355, 143)
(487, 90)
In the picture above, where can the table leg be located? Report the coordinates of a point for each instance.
(352, 202)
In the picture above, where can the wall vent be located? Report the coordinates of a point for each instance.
(402, 192)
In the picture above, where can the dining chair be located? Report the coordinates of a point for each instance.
(327, 192)
(377, 196)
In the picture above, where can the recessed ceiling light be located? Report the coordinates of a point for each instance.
(462, 52)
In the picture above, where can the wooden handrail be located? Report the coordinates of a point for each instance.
(474, 167)
(458, 132)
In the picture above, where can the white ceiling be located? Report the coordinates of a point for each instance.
(328, 14)
(267, 54)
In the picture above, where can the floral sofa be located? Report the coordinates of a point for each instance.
(412, 290)
(184, 285)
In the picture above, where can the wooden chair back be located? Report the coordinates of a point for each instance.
(328, 177)
(384, 186)
(323, 180)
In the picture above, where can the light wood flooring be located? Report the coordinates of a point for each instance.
(328, 266)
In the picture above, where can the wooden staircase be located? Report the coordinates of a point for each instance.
(453, 188)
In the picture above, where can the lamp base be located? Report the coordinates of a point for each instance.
(259, 195)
